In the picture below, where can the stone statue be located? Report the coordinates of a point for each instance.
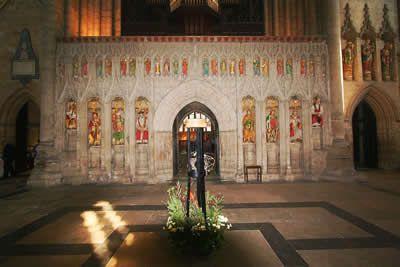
(316, 113)
(94, 129)
(367, 57)
(387, 61)
(348, 61)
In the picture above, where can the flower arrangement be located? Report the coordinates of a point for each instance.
(191, 234)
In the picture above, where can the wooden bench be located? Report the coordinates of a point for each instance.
(256, 167)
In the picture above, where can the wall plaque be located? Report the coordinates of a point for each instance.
(25, 64)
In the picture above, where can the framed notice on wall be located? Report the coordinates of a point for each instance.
(25, 64)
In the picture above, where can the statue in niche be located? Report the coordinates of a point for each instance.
(185, 66)
(303, 67)
(99, 67)
(295, 124)
(242, 67)
(279, 67)
(265, 67)
(272, 120)
(249, 120)
(214, 67)
(256, 66)
(118, 121)
(75, 67)
(316, 113)
(71, 117)
(367, 57)
(157, 66)
(348, 61)
(289, 66)
(132, 67)
(387, 61)
(123, 67)
(108, 67)
(142, 111)
(166, 67)
(175, 67)
(147, 66)
(94, 125)
(84, 67)
(311, 66)
(61, 69)
(232, 67)
(206, 67)
(224, 67)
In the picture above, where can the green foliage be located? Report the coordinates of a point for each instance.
(191, 234)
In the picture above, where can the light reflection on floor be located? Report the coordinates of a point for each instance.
(91, 220)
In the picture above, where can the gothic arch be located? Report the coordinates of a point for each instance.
(387, 114)
(9, 112)
(194, 91)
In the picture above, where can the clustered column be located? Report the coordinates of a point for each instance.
(93, 18)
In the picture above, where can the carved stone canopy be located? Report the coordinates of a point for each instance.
(348, 30)
(367, 30)
(386, 32)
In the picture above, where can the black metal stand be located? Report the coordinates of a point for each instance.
(199, 172)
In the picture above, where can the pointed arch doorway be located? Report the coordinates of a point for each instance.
(211, 137)
(365, 140)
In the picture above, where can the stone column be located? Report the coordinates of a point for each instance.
(47, 167)
(339, 159)
(284, 136)
(358, 71)
(259, 139)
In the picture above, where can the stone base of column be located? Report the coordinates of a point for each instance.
(339, 162)
(47, 171)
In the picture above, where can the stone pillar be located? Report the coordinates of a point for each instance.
(358, 71)
(106, 149)
(259, 139)
(339, 159)
(47, 166)
(284, 136)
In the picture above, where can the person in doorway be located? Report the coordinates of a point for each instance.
(9, 158)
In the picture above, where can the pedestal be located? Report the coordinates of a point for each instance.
(47, 171)
(339, 162)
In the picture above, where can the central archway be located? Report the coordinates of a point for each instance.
(211, 142)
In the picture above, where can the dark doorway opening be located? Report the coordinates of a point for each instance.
(365, 137)
(21, 139)
(211, 138)
(27, 130)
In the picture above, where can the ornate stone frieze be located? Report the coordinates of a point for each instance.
(240, 68)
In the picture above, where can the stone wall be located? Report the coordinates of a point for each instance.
(383, 96)
(15, 16)
(79, 79)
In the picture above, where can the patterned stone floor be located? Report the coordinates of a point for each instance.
(279, 224)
